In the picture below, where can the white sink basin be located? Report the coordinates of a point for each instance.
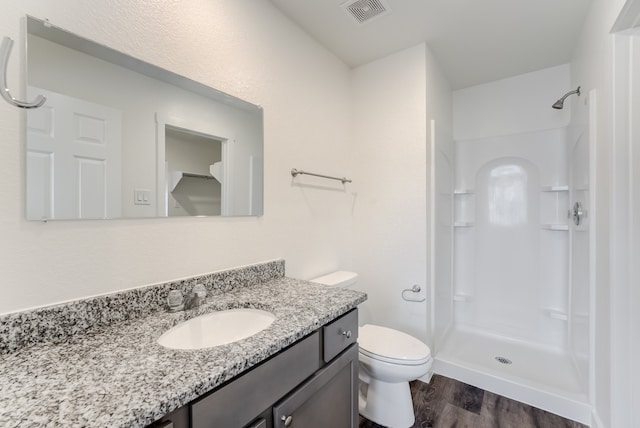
(216, 328)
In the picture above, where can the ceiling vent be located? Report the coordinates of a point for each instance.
(365, 10)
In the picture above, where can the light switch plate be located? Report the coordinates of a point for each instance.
(141, 197)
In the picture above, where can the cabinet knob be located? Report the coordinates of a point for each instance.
(287, 420)
(347, 334)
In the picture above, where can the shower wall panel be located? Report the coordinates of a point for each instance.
(511, 236)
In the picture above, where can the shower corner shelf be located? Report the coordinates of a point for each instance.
(557, 314)
(555, 227)
(463, 192)
(462, 297)
(558, 188)
(464, 224)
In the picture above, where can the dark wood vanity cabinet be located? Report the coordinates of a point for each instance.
(311, 384)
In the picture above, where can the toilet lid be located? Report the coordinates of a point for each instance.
(387, 344)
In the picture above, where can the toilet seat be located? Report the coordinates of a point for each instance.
(392, 346)
(395, 361)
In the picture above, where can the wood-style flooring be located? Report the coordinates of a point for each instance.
(447, 403)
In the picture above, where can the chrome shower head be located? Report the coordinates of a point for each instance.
(560, 103)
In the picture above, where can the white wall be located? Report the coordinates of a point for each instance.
(591, 68)
(394, 100)
(247, 49)
(191, 153)
(515, 105)
(390, 236)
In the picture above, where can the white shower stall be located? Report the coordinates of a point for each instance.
(510, 268)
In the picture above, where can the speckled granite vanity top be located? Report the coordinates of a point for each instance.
(116, 375)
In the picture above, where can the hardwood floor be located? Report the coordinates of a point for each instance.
(447, 403)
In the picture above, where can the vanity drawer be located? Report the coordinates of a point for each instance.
(339, 334)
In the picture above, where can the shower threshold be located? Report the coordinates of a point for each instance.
(535, 375)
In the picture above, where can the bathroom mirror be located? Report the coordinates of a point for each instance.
(122, 138)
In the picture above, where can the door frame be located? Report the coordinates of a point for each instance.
(625, 208)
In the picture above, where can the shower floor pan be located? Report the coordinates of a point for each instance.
(537, 376)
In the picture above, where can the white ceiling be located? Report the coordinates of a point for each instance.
(475, 41)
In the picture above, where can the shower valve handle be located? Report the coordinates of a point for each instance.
(577, 213)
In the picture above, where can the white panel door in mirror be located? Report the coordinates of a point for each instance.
(73, 159)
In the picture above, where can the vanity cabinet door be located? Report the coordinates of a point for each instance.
(327, 399)
(179, 418)
(243, 399)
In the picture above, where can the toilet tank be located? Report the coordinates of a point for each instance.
(340, 279)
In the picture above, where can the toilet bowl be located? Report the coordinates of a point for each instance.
(389, 360)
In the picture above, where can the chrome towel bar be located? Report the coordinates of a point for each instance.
(5, 51)
(295, 172)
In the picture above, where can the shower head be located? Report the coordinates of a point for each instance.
(560, 103)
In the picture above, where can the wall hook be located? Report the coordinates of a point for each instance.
(5, 51)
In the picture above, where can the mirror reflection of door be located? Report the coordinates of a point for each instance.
(192, 160)
(73, 159)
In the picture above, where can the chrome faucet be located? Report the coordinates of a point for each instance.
(195, 298)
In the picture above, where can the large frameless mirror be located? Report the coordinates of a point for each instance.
(121, 138)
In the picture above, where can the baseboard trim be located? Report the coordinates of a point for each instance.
(426, 378)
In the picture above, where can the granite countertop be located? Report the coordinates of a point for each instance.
(118, 376)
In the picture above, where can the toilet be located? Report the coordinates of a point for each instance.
(389, 360)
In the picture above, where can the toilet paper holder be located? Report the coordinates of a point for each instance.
(415, 289)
